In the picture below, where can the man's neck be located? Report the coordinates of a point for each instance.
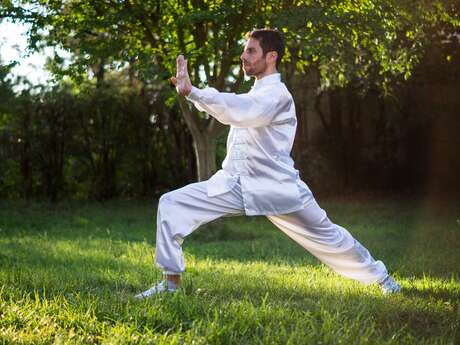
(265, 73)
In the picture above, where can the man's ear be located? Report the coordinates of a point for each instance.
(273, 55)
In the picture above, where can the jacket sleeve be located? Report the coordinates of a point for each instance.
(252, 109)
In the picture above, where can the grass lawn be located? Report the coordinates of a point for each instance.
(68, 274)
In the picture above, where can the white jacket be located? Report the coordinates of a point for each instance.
(263, 124)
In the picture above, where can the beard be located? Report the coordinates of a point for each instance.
(255, 68)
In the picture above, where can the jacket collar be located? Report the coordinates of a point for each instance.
(267, 80)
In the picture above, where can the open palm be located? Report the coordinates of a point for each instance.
(182, 80)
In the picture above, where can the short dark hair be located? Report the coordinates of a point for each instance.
(269, 40)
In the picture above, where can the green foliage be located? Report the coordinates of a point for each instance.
(6, 91)
(10, 177)
(68, 274)
(147, 34)
(122, 52)
(84, 141)
(367, 42)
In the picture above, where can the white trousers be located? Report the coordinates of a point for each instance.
(182, 211)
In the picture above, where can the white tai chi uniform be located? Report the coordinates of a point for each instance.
(258, 178)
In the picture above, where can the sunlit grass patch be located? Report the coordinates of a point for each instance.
(68, 275)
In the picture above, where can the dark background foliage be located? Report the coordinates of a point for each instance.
(375, 84)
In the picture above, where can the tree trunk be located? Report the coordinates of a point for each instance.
(204, 134)
(205, 152)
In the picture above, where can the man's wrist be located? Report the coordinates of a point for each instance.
(193, 95)
(187, 92)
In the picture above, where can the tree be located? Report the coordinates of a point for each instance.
(344, 49)
(149, 35)
(370, 42)
(8, 181)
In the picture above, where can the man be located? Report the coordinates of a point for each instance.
(257, 176)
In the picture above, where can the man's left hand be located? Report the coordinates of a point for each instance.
(182, 80)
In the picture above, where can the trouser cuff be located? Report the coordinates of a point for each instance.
(172, 273)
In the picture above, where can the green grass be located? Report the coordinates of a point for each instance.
(68, 274)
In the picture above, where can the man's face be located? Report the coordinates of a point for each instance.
(253, 60)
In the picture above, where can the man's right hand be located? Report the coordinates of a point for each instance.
(182, 80)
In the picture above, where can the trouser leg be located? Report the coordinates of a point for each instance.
(330, 243)
(182, 211)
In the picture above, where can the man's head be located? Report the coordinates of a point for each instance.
(263, 52)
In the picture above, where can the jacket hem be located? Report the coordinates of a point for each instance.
(275, 213)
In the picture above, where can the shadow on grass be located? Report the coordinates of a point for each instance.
(409, 244)
(117, 220)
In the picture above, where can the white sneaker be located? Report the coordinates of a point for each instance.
(162, 287)
(389, 286)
